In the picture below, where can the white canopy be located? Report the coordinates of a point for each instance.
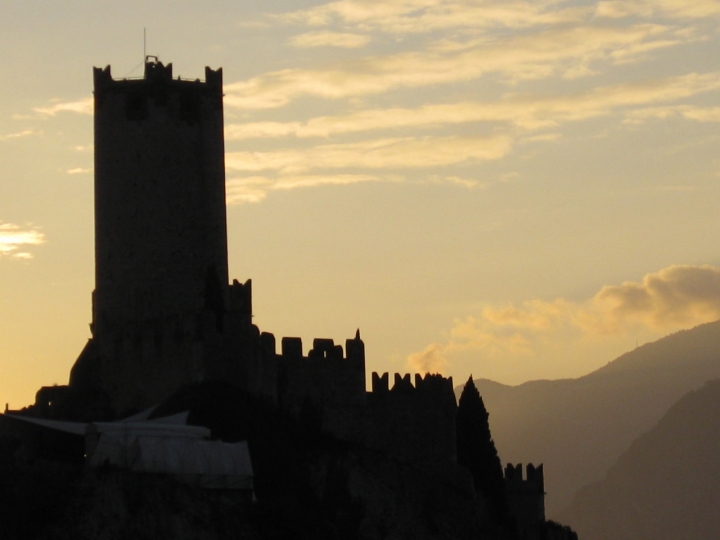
(207, 464)
(161, 446)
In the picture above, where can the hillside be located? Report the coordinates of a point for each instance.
(579, 427)
(666, 485)
(308, 485)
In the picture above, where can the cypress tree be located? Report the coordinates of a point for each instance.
(476, 450)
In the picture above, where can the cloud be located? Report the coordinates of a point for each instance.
(13, 238)
(675, 9)
(525, 112)
(408, 152)
(672, 297)
(250, 189)
(469, 183)
(421, 16)
(516, 58)
(253, 189)
(688, 112)
(79, 170)
(675, 296)
(20, 134)
(330, 39)
(667, 300)
(430, 360)
(83, 106)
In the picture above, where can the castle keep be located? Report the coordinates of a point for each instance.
(163, 312)
(160, 233)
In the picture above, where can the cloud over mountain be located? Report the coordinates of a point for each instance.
(672, 298)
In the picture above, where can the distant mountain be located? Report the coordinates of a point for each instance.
(666, 486)
(579, 427)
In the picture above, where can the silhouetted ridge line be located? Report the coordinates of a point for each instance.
(579, 427)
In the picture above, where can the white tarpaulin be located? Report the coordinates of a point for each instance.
(161, 446)
(207, 464)
(114, 442)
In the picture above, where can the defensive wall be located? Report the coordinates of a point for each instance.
(327, 386)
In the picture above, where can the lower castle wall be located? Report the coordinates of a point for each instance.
(139, 367)
(412, 422)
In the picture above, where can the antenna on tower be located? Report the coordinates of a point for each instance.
(144, 45)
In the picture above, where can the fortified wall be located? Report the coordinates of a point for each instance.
(327, 386)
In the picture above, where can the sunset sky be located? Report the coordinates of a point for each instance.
(509, 189)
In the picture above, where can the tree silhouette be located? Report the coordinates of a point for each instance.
(476, 450)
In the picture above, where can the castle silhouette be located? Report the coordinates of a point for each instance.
(164, 315)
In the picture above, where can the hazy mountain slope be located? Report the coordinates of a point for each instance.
(666, 486)
(579, 427)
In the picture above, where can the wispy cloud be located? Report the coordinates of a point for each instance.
(675, 9)
(14, 240)
(672, 298)
(421, 16)
(688, 112)
(330, 39)
(253, 189)
(408, 152)
(526, 112)
(516, 58)
(20, 134)
(83, 106)
(79, 170)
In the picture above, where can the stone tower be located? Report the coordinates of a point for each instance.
(160, 229)
(161, 268)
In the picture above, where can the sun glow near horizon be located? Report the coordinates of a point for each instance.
(516, 190)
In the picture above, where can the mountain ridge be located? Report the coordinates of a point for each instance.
(666, 485)
(579, 427)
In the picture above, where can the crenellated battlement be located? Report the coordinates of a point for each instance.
(428, 384)
(412, 421)
(155, 72)
(240, 300)
(291, 350)
(534, 477)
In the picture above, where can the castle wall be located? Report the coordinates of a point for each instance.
(412, 422)
(325, 387)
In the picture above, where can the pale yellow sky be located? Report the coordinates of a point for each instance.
(516, 190)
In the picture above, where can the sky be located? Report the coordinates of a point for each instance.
(512, 190)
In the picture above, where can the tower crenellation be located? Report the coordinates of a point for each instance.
(526, 496)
